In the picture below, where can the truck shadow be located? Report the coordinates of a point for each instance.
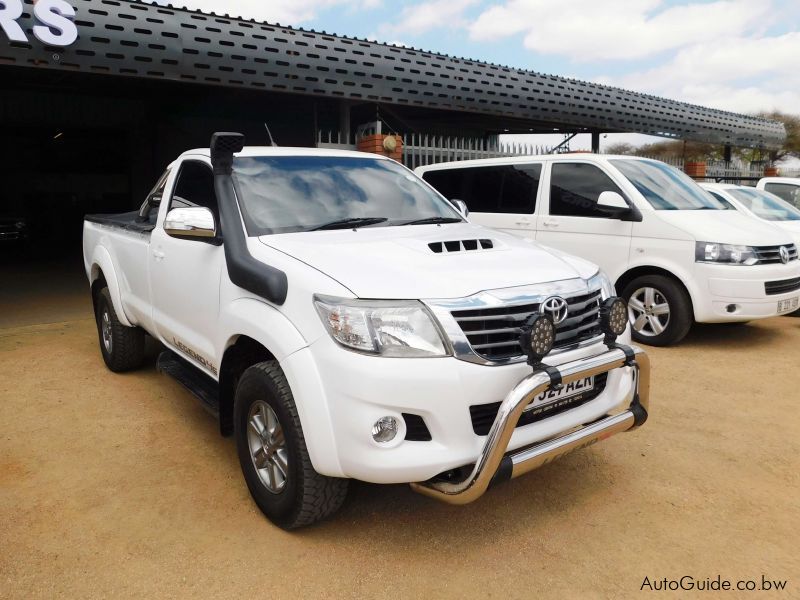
(420, 525)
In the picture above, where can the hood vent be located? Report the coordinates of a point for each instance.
(460, 246)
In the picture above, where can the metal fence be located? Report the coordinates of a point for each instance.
(423, 149)
(420, 149)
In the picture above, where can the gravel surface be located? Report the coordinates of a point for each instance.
(120, 486)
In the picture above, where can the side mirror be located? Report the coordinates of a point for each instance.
(193, 222)
(614, 205)
(461, 206)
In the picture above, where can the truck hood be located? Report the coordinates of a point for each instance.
(403, 262)
(725, 226)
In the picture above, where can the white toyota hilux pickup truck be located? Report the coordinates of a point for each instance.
(344, 321)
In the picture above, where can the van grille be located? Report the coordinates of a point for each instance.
(769, 255)
(494, 332)
(773, 288)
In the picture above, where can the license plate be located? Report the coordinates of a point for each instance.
(788, 304)
(566, 393)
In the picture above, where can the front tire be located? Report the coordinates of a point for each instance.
(122, 347)
(273, 453)
(659, 310)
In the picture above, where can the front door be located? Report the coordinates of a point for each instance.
(185, 273)
(572, 222)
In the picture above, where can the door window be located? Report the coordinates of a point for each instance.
(575, 188)
(493, 189)
(195, 187)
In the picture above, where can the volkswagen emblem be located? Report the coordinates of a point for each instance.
(556, 307)
(784, 254)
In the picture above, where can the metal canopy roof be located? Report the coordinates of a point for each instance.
(128, 38)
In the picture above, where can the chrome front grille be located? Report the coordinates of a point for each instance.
(768, 255)
(493, 332)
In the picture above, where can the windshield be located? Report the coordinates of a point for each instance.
(665, 187)
(765, 205)
(281, 194)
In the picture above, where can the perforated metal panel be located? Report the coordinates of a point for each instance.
(127, 38)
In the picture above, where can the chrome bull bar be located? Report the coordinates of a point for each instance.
(494, 463)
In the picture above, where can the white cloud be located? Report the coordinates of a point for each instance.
(423, 17)
(591, 30)
(737, 74)
(285, 12)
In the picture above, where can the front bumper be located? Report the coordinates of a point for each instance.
(736, 293)
(494, 460)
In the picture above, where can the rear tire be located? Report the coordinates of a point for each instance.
(659, 310)
(273, 453)
(122, 347)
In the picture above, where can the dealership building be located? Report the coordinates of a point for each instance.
(99, 95)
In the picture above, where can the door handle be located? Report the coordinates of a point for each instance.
(550, 223)
(158, 254)
(525, 222)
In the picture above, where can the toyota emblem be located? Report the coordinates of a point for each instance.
(556, 307)
(784, 254)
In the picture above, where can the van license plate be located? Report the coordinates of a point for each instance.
(789, 304)
(579, 387)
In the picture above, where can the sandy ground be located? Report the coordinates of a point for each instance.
(120, 486)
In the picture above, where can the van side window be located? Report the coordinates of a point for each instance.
(493, 189)
(575, 187)
(195, 187)
(790, 193)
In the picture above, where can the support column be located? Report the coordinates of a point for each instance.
(344, 121)
(596, 142)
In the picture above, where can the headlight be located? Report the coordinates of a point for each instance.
(401, 328)
(602, 280)
(728, 254)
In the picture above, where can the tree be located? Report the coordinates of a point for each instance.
(791, 147)
(620, 148)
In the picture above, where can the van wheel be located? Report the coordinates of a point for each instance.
(659, 310)
(273, 453)
(122, 347)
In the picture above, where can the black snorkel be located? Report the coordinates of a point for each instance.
(244, 270)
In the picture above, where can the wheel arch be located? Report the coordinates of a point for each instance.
(642, 270)
(242, 352)
(103, 267)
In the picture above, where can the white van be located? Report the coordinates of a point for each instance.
(675, 253)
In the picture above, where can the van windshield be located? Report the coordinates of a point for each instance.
(281, 194)
(765, 205)
(665, 187)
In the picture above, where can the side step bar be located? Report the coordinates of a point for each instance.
(200, 385)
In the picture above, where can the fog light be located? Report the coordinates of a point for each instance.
(538, 337)
(613, 318)
(384, 430)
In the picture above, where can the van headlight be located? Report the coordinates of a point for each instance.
(601, 280)
(392, 328)
(727, 254)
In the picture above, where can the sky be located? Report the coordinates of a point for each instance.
(737, 55)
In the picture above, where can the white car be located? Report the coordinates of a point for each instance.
(674, 251)
(343, 320)
(786, 188)
(760, 204)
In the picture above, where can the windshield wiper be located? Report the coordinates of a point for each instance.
(433, 220)
(352, 222)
